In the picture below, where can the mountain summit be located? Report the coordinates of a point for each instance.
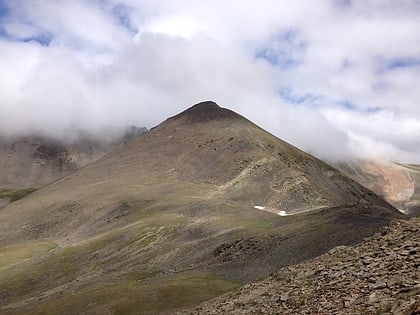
(206, 111)
(210, 144)
(200, 203)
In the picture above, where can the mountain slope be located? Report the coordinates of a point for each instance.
(175, 211)
(36, 161)
(378, 276)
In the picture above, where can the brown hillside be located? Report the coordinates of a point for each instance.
(170, 220)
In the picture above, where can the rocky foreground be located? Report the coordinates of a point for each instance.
(379, 276)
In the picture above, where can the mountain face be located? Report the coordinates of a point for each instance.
(399, 184)
(36, 161)
(201, 203)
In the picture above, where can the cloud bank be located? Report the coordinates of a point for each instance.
(334, 77)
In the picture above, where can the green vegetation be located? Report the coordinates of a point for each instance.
(21, 279)
(16, 194)
(16, 253)
(257, 224)
(133, 297)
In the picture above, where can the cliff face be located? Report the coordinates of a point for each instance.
(397, 183)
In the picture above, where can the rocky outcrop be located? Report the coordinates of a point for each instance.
(379, 276)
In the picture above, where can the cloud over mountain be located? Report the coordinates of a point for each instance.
(333, 77)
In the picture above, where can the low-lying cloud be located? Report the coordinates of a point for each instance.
(336, 78)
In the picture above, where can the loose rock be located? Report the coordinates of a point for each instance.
(378, 276)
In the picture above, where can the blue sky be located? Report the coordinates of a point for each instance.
(334, 77)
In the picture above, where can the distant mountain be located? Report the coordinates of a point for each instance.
(397, 183)
(200, 204)
(36, 161)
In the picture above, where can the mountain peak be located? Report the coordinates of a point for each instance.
(205, 111)
(205, 105)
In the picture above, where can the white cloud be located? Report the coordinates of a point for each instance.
(292, 67)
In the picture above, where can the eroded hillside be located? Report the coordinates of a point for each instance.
(397, 183)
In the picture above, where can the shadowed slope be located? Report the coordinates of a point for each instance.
(179, 203)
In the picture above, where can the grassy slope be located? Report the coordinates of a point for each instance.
(14, 254)
(170, 245)
(140, 297)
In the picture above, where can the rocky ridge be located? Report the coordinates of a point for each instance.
(381, 275)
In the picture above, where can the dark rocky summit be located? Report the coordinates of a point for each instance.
(206, 111)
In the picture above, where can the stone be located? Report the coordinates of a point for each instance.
(284, 297)
(377, 285)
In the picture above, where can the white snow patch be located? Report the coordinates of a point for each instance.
(282, 213)
(259, 207)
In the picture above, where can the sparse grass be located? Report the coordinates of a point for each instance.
(24, 280)
(16, 253)
(153, 233)
(16, 194)
(144, 275)
(133, 297)
(96, 254)
(258, 224)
